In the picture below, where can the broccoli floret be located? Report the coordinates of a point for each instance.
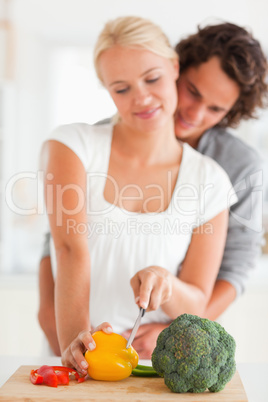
(194, 354)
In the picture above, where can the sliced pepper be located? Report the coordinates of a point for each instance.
(35, 378)
(53, 375)
(63, 378)
(49, 376)
(144, 371)
(110, 360)
(68, 370)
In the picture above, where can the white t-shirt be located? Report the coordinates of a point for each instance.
(121, 242)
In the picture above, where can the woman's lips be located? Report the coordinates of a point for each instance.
(147, 114)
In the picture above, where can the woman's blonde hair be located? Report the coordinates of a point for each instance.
(133, 32)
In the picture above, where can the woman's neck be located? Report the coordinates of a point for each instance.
(147, 148)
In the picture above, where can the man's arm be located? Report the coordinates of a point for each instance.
(222, 297)
(245, 234)
(243, 243)
(244, 238)
(46, 314)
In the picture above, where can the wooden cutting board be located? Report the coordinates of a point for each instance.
(134, 389)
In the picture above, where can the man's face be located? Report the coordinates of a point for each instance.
(205, 96)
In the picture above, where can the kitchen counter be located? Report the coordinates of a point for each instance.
(253, 375)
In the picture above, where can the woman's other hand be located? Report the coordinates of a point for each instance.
(145, 339)
(152, 287)
(73, 355)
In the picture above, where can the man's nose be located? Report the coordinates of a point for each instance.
(196, 113)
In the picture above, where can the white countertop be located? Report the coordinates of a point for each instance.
(253, 375)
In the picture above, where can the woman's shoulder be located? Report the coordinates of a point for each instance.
(85, 140)
(200, 166)
(82, 130)
(207, 181)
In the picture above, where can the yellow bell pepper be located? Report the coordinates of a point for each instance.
(110, 360)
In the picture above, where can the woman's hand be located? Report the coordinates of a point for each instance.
(73, 354)
(152, 287)
(145, 339)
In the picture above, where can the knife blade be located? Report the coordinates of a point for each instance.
(136, 327)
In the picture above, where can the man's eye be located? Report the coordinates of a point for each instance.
(152, 80)
(216, 110)
(193, 92)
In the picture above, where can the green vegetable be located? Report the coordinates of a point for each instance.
(144, 371)
(194, 354)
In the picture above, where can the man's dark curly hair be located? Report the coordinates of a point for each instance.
(242, 59)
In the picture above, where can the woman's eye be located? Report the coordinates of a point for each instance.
(121, 91)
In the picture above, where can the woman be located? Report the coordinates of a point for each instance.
(119, 188)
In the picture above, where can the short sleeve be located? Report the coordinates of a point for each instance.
(218, 193)
(78, 137)
(204, 188)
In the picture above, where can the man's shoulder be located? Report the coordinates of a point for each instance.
(231, 152)
(221, 141)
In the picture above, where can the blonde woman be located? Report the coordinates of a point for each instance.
(137, 217)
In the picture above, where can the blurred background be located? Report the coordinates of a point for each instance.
(46, 79)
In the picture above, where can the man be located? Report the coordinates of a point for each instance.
(216, 64)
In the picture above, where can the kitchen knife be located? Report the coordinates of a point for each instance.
(136, 327)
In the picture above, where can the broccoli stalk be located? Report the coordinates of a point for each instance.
(194, 354)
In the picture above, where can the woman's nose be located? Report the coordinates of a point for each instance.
(142, 97)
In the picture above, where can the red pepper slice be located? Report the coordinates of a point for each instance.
(54, 375)
(36, 378)
(81, 379)
(49, 376)
(63, 378)
(69, 371)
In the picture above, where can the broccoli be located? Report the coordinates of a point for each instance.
(194, 354)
